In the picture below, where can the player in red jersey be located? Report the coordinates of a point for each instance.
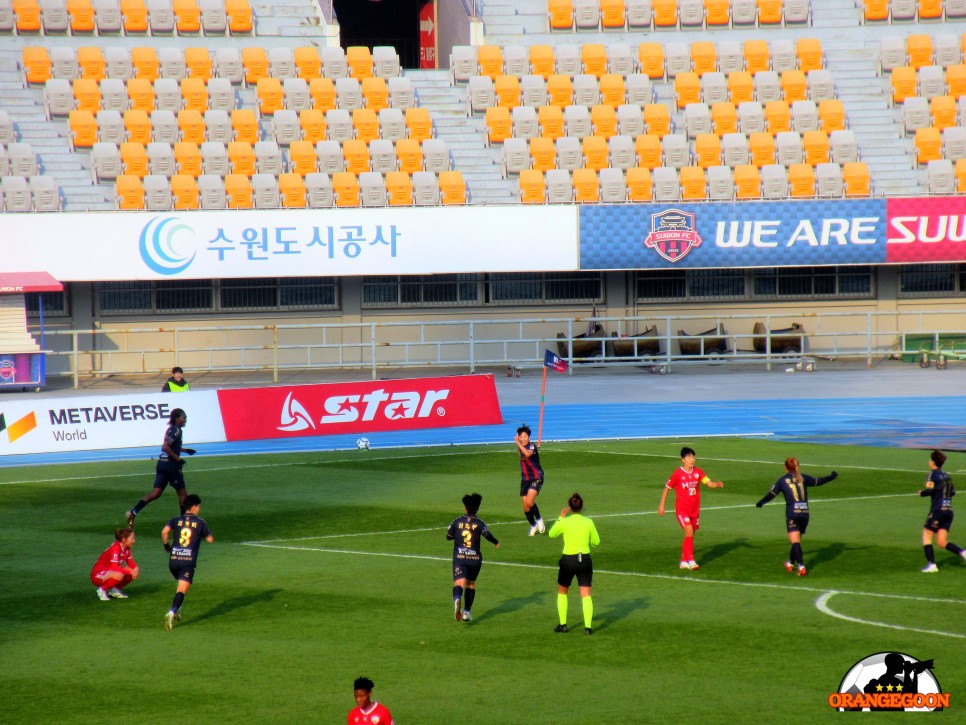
(367, 710)
(115, 568)
(686, 484)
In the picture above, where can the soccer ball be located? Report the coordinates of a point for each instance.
(362, 444)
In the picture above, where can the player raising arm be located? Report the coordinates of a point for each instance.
(580, 535)
(794, 485)
(465, 533)
(939, 487)
(686, 484)
(531, 479)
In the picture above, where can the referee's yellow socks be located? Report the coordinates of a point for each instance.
(588, 605)
(562, 607)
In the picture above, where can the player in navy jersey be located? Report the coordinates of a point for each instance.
(189, 529)
(168, 468)
(465, 533)
(531, 479)
(939, 487)
(794, 486)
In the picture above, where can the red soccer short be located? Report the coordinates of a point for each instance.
(97, 577)
(688, 517)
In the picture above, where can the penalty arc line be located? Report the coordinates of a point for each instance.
(822, 605)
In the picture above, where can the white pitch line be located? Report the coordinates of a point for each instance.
(822, 605)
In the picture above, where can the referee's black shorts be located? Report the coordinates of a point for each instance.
(575, 565)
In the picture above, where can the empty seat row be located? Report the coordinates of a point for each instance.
(928, 81)
(885, 11)
(641, 15)
(763, 86)
(18, 159)
(933, 144)
(290, 190)
(36, 193)
(943, 177)
(654, 59)
(920, 50)
(129, 17)
(939, 112)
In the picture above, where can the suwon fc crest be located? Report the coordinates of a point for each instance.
(673, 234)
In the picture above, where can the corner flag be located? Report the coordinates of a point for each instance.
(554, 362)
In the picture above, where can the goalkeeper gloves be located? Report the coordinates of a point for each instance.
(189, 451)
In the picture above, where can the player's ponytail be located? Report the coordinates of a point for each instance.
(791, 465)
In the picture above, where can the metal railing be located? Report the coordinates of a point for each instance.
(470, 344)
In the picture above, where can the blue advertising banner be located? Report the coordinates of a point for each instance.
(733, 234)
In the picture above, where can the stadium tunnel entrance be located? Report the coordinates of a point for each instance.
(382, 22)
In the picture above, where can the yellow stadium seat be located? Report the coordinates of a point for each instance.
(241, 156)
(639, 185)
(876, 11)
(192, 126)
(81, 13)
(543, 153)
(604, 120)
(313, 125)
(905, 84)
(400, 188)
(551, 121)
(184, 192)
(36, 64)
(612, 14)
(507, 89)
(91, 61)
(499, 126)
(650, 155)
(452, 187)
(256, 63)
(134, 159)
(724, 116)
(956, 80)
(187, 156)
(944, 111)
(244, 124)
(420, 125)
(533, 189)
(769, 12)
(356, 155)
(919, 50)
(542, 60)
(291, 188)
(747, 182)
(817, 148)
(929, 143)
(741, 87)
(238, 189)
(612, 89)
(594, 59)
(144, 60)
(376, 92)
(704, 57)
(596, 153)
(778, 116)
(27, 13)
(857, 179)
(308, 62)
(717, 13)
(359, 60)
(801, 180)
(961, 175)
(810, 55)
(665, 13)
(187, 16)
(302, 158)
(130, 192)
(757, 56)
(490, 58)
(140, 91)
(794, 86)
(137, 123)
(831, 114)
(322, 91)
(707, 150)
(694, 185)
(561, 14)
(657, 119)
(198, 62)
(762, 147)
(194, 91)
(930, 10)
(346, 188)
(560, 90)
(240, 18)
(586, 186)
(651, 57)
(687, 88)
(365, 121)
(87, 95)
(271, 98)
(409, 155)
(135, 14)
(83, 129)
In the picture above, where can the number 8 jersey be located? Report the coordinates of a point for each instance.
(188, 531)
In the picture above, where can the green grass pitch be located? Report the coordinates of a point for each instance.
(328, 566)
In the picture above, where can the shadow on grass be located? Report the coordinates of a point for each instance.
(721, 550)
(236, 603)
(828, 553)
(514, 605)
(618, 611)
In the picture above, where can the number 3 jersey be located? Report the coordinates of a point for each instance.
(466, 532)
(188, 532)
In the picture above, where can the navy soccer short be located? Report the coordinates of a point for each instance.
(168, 472)
(798, 522)
(575, 565)
(937, 520)
(468, 570)
(525, 486)
(183, 572)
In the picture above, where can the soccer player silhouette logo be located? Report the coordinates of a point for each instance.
(896, 664)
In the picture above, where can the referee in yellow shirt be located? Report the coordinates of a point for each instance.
(580, 535)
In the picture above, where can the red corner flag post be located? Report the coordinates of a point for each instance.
(554, 362)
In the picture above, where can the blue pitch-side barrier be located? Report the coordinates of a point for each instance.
(917, 422)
